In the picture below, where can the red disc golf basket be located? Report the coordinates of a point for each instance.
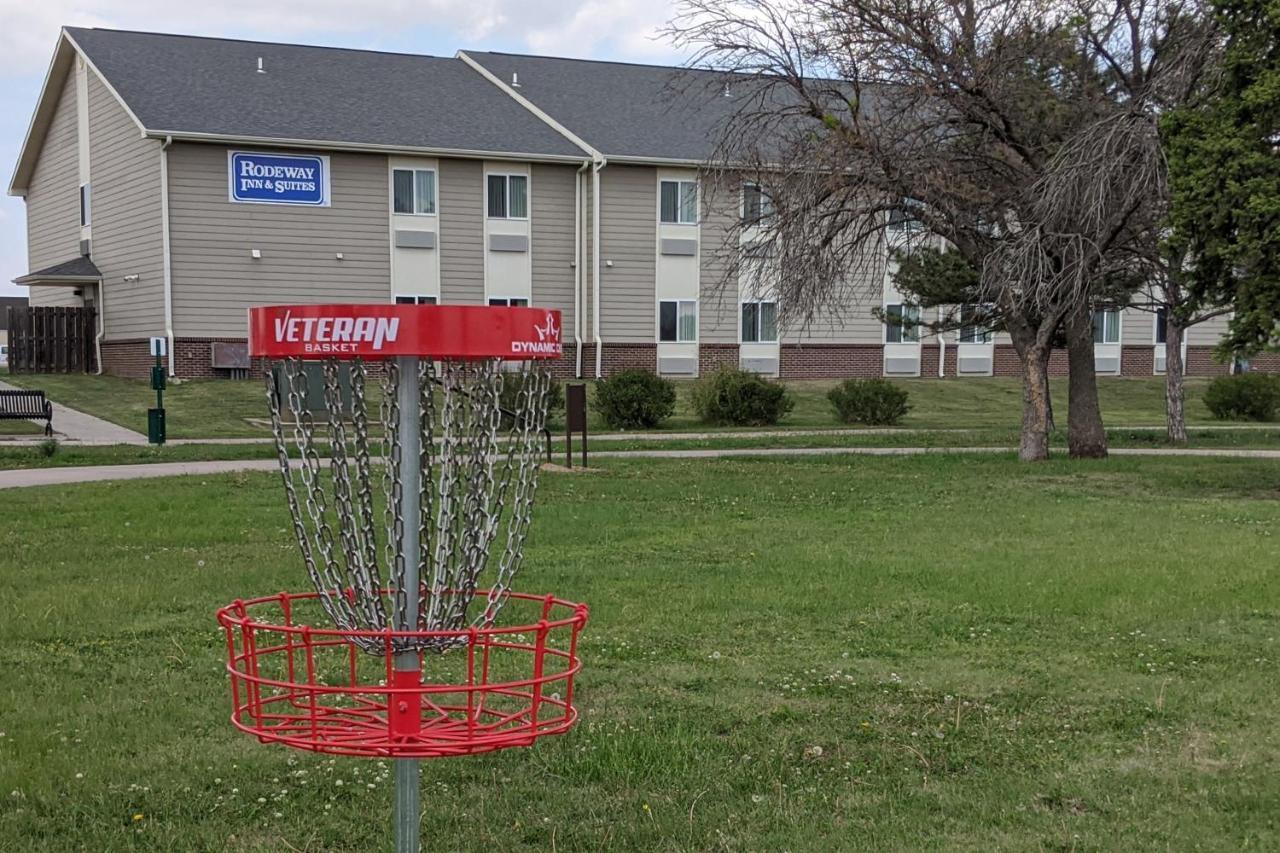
(408, 480)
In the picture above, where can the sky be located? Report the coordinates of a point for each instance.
(589, 29)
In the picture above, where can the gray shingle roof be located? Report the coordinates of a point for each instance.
(80, 267)
(192, 85)
(621, 109)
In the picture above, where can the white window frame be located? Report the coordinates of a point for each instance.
(435, 191)
(986, 337)
(767, 210)
(1116, 312)
(506, 301)
(759, 338)
(507, 176)
(415, 299)
(86, 204)
(678, 303)
(697, 201)
(903, 308)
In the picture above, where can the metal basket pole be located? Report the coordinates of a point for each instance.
(408, 805)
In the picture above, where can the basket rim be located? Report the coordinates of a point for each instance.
(236, 615)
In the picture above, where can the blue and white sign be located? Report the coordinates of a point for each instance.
(259, 178)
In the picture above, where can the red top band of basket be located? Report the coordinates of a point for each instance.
(386, 331)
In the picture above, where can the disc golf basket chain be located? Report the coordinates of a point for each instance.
(399, 513)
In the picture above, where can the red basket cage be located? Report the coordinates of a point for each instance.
(312, 688)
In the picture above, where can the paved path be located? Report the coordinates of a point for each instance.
(79, 428)
(94, 473)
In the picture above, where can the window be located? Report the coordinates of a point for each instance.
(970, 330)
(413, 191)
(759, 322)
(85, 212)
(679, 202)
(508, 196)
(902, 219)
(415, 300)
(509, 301)
(1106, 326)
(902, 324)
(678, 321)
(757, 206)
(1162, 316)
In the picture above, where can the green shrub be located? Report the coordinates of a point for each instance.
(1244, 397)
(875, 402)
(49, 448)
(510, 397)
(732, 397)
(634, 399)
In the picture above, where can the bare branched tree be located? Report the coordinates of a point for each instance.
(1020, 133)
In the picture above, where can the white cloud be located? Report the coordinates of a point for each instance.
(622, 28)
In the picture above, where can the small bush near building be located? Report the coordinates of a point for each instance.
(1244, 397)
(509, 400)
(875, 402)
(634, 399)
(732, 397)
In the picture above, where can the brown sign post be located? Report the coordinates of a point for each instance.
(575, 420)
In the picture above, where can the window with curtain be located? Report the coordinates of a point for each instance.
(413, 191)
(902, 323)
(970, 330)
(508, 196)
(678, 202)
(757, 207)
(759, 322)
(1162, 316)
(1106, 326)
(678, 321)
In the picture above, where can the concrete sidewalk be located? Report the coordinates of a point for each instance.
(97, 473)
(75, 427)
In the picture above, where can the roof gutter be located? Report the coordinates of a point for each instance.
(164, 239)
(360, 147)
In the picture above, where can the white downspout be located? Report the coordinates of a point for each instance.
(599, 162)
(942, 356)
(164, 237)
(102, 324)
(577, 268)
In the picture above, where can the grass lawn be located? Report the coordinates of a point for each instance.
(227, 409)
(802, 654)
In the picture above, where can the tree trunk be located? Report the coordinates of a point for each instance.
(1086, 436)
(1036, 415)
(1175, 414)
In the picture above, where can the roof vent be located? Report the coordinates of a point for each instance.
(261, 70)
(727, 93)
(515, 80)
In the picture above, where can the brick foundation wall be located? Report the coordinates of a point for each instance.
(831, 361)
(712, 357)
(1137, 361)
(1200, 362)
(617, 357)
(1008, 364)
(1267, 362)
(131, 359)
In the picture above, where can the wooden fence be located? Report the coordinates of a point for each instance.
(52, 340)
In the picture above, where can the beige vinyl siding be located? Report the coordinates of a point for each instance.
(462, 232)
(1137, 327)
(215, 280)
(551, 239)
(1208, 333)
(125, 174)
(628, 238)
(53, 201)
(850, 319)
(718, 297)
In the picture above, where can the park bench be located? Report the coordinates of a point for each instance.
(26, 405)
